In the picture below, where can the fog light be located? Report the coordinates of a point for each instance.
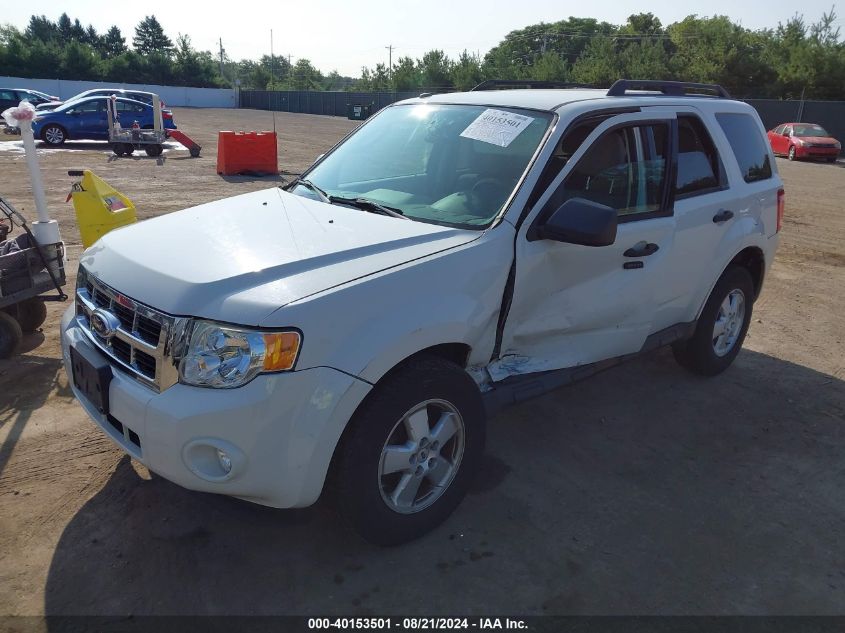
(225, 461)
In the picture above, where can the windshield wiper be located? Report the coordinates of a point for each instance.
(312, 187)
(366, 204)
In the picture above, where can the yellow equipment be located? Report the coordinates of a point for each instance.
(99, 208)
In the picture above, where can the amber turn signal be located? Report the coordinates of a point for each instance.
(280, 350)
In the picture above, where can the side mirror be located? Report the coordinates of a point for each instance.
(578, 221)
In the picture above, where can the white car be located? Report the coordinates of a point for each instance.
(456, 253)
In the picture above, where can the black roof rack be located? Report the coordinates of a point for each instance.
(499, 84)
(669, 88)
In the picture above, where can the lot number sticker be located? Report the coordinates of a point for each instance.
(497, 127)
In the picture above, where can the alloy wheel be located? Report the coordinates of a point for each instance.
(421, 456)
(729, 322)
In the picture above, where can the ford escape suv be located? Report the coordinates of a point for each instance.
(454, 254)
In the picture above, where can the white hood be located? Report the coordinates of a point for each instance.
(242, 258)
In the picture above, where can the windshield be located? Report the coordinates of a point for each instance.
(809, 130)
(454, 165)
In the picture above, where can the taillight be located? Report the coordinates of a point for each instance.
(781, 207)
(167, 115)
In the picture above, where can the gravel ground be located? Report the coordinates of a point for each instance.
(643, 490)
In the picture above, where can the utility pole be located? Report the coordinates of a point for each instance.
(221, 59)
(390, 62)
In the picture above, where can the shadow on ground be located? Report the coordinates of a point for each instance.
(643, 490)
(32, 380)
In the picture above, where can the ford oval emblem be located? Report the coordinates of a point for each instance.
(104, 323)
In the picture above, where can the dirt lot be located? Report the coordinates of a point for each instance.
(643, 490)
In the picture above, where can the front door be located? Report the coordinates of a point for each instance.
(572, 304)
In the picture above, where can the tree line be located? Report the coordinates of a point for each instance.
(795, 58)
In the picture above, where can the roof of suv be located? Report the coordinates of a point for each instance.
(553, 99)
(545, 95)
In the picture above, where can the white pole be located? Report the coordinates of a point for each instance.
(34, 172)
(45, 230)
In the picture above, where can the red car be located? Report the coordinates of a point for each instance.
(804, 140)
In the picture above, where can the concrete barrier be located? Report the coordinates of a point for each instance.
(171, 95)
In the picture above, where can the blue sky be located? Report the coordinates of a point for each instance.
(347, 35)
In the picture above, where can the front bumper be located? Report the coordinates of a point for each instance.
(280, 430)
(816, 152)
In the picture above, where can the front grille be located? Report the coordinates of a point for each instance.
(142, 344)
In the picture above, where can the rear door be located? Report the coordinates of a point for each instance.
(573, 304)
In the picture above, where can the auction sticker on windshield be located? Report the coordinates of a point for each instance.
(497, 127)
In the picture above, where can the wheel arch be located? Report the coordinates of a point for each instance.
(752, 259)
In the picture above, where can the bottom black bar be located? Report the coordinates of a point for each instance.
(543, 624)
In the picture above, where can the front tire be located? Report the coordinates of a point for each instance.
(410, 452)
(10, 335)
(791, 154)
(53, 134)
(30, 314)
(721, 328)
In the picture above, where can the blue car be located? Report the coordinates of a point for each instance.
(86, 119)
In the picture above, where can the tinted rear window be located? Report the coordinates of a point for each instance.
(748, 145)
(699, 167)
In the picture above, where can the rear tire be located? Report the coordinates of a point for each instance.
(423, 425)
(128, 149)
(117, 148)
(154, 150)
(721, 328)
(10, 335)
(832, 159)
(30, 314)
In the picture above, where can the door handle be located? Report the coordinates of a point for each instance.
(723, 216)
(641, 249)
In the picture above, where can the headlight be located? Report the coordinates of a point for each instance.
(222, 356)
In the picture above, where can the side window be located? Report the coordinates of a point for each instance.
(624, 169)
(752, 153)
(88, 106)
(699, 167)
(779, 129)
(7, 95)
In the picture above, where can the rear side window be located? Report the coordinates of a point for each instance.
(699, 167)
(747, 144)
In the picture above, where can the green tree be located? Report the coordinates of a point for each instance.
(65, 28)
(113, 43)
(150, 38)
(304, 76)
(599, 64)
(405, 74)
(550, 66)
(42, 28)
(435, 70)
(466, 71)
(79, 62)
(77, 32)
(92, 37)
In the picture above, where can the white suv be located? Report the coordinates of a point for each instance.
(456, 253)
